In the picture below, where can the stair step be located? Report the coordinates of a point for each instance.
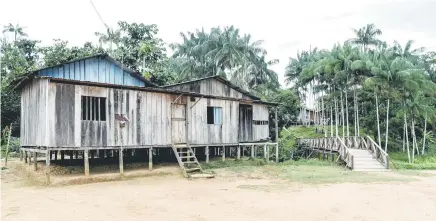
(190, 162)
(201, 175)
(371, 170)
(187, 157)
(192, 170)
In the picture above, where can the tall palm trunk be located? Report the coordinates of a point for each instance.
(412, 128)
(336, 118)
(378, 120)
(407, 137)
(404, 138)
(323, 116)
(387, 127)
(343, 116)
(355, 113)
(357, 116)
(346, 111)
(425, 132)
(331, 121)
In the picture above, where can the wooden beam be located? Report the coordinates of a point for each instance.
(121, 158)
(206, 150)
(223, 153)
(35, 160)
(265, 154)
(47, 167)
(276, 126)
(277, 153)
(62, 156)
(30, 157)
(86, 162)
(150, 159)
(252, 151)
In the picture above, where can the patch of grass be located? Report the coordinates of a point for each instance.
(400, 161)
(308, 171)
(231, 163)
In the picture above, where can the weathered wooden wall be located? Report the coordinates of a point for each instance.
(96, 69)
(52, 116)
(33, 128)
(210, 87)
(260, 113)
(203, 133)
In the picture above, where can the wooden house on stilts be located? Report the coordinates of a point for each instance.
(96, 107)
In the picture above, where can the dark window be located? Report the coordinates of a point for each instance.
(260, 122)
(214, 115)
(93, 108)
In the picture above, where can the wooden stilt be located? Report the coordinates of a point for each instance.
(277, 153)
(35, 160)
(47, 167)
(252, 151)
(265, 154)
(56, 155)
(150, 158)
(206, 150)
(121, 158)
(77, 154)
(92, 154)
(223, 153)
(30, 157)
(51, 155)
(21, 155)
(25, 156)
(62, 156)
(86, 162)
(238, 152)
(71, 157)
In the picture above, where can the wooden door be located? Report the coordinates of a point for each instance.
(178, 123)
(245, 123)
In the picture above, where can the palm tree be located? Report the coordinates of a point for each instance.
(111, 36)
(366, 36)
(407, 52)
(16, 29)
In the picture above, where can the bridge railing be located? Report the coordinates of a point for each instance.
(344, 153)
(343, 144)
(376, 151)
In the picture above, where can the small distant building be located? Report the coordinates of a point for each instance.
(96, 104)
(308, 116)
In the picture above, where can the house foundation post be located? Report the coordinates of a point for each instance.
(86, 162)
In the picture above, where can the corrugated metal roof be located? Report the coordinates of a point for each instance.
(151, 89)
(219, 78)
(133, 73)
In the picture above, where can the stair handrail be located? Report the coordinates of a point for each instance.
(344, 152)
(378, 152)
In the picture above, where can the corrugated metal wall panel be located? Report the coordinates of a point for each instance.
(95, 70)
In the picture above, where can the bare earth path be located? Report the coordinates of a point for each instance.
(222, 198)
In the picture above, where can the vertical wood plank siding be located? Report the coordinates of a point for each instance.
(260, 113)
(33, 128)
(52, 116)
(210, 87)
(93, 69)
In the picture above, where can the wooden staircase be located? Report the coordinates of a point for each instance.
(364, 161)
(188, 162)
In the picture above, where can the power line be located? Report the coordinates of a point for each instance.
(96, 11)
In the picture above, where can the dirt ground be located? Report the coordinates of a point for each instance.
(229, 196)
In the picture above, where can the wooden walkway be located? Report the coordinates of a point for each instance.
(359, 153)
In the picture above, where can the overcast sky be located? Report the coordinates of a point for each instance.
(285, 26)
